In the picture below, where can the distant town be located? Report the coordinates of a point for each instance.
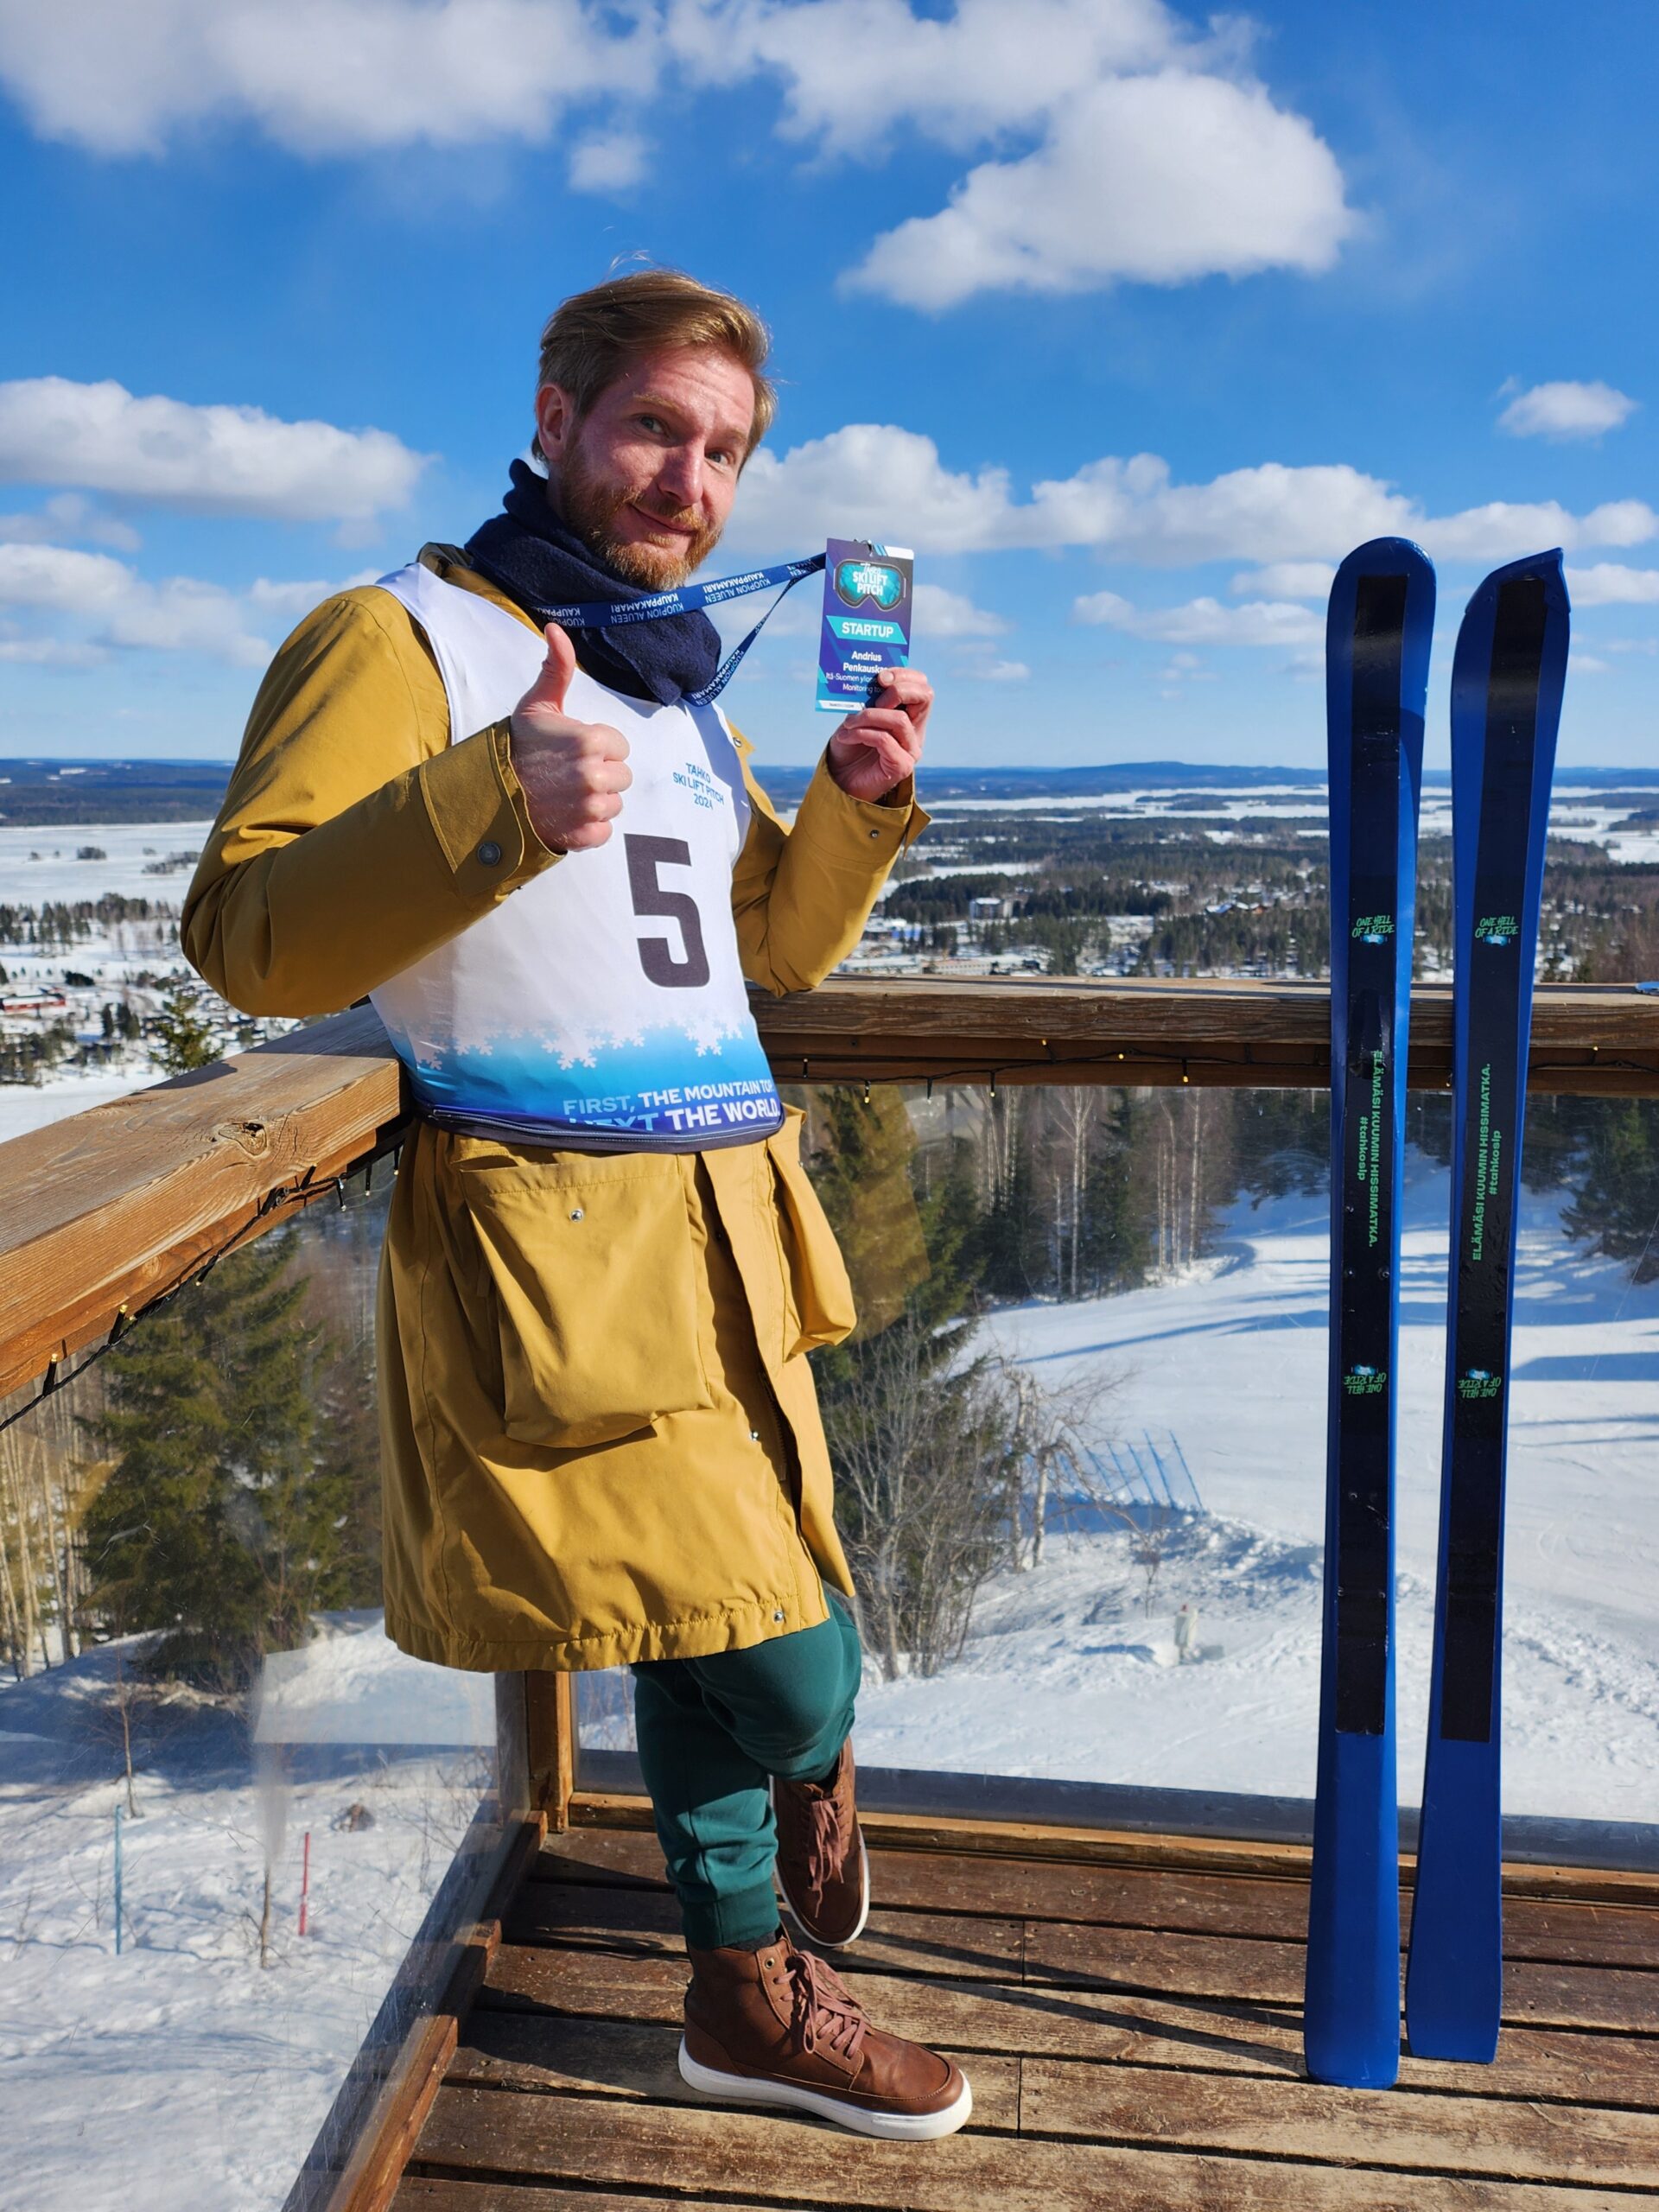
(1152, 868)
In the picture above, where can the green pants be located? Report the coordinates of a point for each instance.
(711, 1732)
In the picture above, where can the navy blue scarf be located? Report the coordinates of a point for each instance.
(532, 556)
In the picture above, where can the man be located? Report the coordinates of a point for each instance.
(543, 857)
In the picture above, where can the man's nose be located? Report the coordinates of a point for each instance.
(680, 477)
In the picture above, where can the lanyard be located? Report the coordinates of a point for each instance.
(618, 614)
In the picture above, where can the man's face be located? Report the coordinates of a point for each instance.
(647, 477)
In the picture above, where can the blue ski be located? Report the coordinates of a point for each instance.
(1378, 636)
(1506, 703)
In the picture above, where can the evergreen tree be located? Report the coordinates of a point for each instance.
(226, 1520)
(1616, 1208)
(184, 1038)
(1013, 1242)
(920, 1436)
(1116, 1241)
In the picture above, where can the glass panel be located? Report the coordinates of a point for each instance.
(237, 1827)
(1080, 1438)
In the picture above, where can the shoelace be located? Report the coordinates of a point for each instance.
(826, 1845)
(826, 2016)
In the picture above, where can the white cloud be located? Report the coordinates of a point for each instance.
(608, 160)
(1502, 530)
(1158, 179)
(1288, 580)
(959, 78)
(1588, 663)
(211, 459)
(1566, 410)
(1002, 671)
(879, 481)
(119, 608)
(1610, 584)
(51, 652)
(287, 602)
(1204, 622)
(320, 77)
(942, 613)
(866, 481)
(1157, 155)
(68, 515)
(102, 604)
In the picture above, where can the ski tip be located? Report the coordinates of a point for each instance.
(1546, 566)
(1384, 557)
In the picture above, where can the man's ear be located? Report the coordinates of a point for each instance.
(554, 416)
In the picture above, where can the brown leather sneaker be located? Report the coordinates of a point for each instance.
(777, 2026)
(823, 1871)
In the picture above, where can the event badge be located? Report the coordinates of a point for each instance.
(866, 627)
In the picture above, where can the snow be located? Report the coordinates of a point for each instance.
(24, 1106)
(121, 2076)
(1232, 1358)
(38, 865)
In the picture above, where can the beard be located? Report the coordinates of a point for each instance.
(590, 503)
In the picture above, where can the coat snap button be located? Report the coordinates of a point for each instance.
(489, 854)
(575, 1213)
(776, 1617)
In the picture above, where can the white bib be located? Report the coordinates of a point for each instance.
(601, 1007)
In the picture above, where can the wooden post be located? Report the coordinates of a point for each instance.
(551, 1719)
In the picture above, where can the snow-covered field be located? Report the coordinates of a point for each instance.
(180, 2076)
(1232, 1359)
(1579, 811)
(141, 860)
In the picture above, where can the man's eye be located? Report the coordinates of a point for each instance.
(651, 421)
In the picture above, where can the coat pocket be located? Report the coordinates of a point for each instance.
(593, 1262)
(818, 1308)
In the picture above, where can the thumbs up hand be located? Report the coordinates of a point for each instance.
(573, 773)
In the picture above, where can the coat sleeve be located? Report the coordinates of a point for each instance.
(354, 837)
(802, 896)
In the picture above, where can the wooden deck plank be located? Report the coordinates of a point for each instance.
(738, 2154)
(1306, 2119)
(1218, 1967)
(421, 2193)
(1174, 2032)
(621, 2058)
(1063, 2097)
(1035, 1840)
(646, 1921)
(1176, 1900)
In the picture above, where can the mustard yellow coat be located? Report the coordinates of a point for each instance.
(600, 1437)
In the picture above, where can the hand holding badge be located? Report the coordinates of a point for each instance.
(864, 673)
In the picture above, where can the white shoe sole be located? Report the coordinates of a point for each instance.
(794, 1912)
(894, 2126)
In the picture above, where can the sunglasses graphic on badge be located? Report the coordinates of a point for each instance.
(858, 583)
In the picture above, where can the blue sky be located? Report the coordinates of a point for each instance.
(1130, 321)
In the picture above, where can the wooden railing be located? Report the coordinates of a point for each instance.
(105, 1213)
(102, 1213)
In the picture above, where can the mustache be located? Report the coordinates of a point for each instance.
(681, 518)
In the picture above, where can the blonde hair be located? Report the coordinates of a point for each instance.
(593, 337)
